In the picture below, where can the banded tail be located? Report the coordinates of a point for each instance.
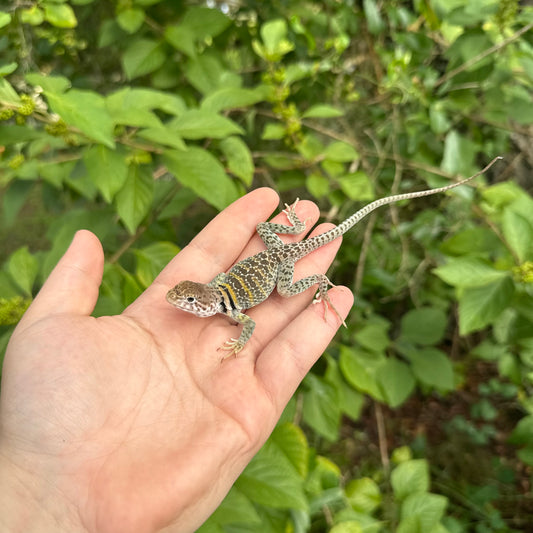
(316, 242)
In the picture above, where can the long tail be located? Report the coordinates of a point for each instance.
(315, 242)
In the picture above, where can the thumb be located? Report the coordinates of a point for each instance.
(73, 284)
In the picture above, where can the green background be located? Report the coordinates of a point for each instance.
(141, 119)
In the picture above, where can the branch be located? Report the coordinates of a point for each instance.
(483, 55)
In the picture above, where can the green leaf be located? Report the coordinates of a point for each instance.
(518, 234)
(341, 152)
(197, 169)
(273, 132)
(13, 198)
(182, 38)
(124, 109)
(49, 84)
(235, 508)
(374, 335)
(396, 381)
(239, 158)
(410, 477)
(199, 124)
(23, 268)
(438, 118)
(131, 289)
(205, 22)
(504, 194)
(270, 479)
(477, 240)
(8, 95)
(427, 508)
(206, 73)
(360, 369)
(33, 15)
(480, 306)
(273, 34)
(135, 198)
(321, 409)
(11, 134)
(107, 169)
(373, 17)
(459, 154)
(137, 99)
(290, 439)
(180, 201)
(60, 15)
(232, 98)
(86, 111)
(8, 68)
(152, 259)
(424, 326)
(469, 272)
(78, 180)
(363, 494)
(523, 432)
(351, 402)
(356, 186)
(164, 136)
(317, 185)
(347, 526)
(5, 19)
(323, 111)
(310, 147)
(142, 57)
(130, 19)
(526, 455)
(432, 367)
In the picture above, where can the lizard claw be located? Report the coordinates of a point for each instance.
(289, 209)
(234, 346)
(328, 303)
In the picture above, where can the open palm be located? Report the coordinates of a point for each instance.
(133, 422)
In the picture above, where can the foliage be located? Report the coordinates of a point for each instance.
(139, 119)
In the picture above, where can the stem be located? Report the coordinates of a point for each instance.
(483, 55)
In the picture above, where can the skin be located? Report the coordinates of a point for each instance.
(132, 422)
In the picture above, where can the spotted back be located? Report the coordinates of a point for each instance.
(252, 280)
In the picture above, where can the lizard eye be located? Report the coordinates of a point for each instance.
(191, 299)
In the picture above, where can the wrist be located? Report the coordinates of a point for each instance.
(30, 503)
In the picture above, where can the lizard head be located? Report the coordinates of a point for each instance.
(196, 298)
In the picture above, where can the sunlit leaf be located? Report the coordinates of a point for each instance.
(199, 170)
(86, 111)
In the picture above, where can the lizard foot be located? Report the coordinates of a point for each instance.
(290, 209)
(233, 346)
(323, 297)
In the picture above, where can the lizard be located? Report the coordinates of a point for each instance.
(251, 281)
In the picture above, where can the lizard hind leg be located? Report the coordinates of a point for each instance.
(287, 288)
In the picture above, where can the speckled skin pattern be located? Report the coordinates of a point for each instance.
(252, 280)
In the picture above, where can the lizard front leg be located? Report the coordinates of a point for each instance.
(286, 287)
(267, 230)
(234, 346)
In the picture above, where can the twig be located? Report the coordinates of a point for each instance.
(382, 436)
(367, 237)
(483, 55)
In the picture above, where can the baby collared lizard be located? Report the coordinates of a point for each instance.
(252, 280)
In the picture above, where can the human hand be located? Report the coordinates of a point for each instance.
(133, 422)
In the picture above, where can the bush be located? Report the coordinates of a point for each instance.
(140, 119)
